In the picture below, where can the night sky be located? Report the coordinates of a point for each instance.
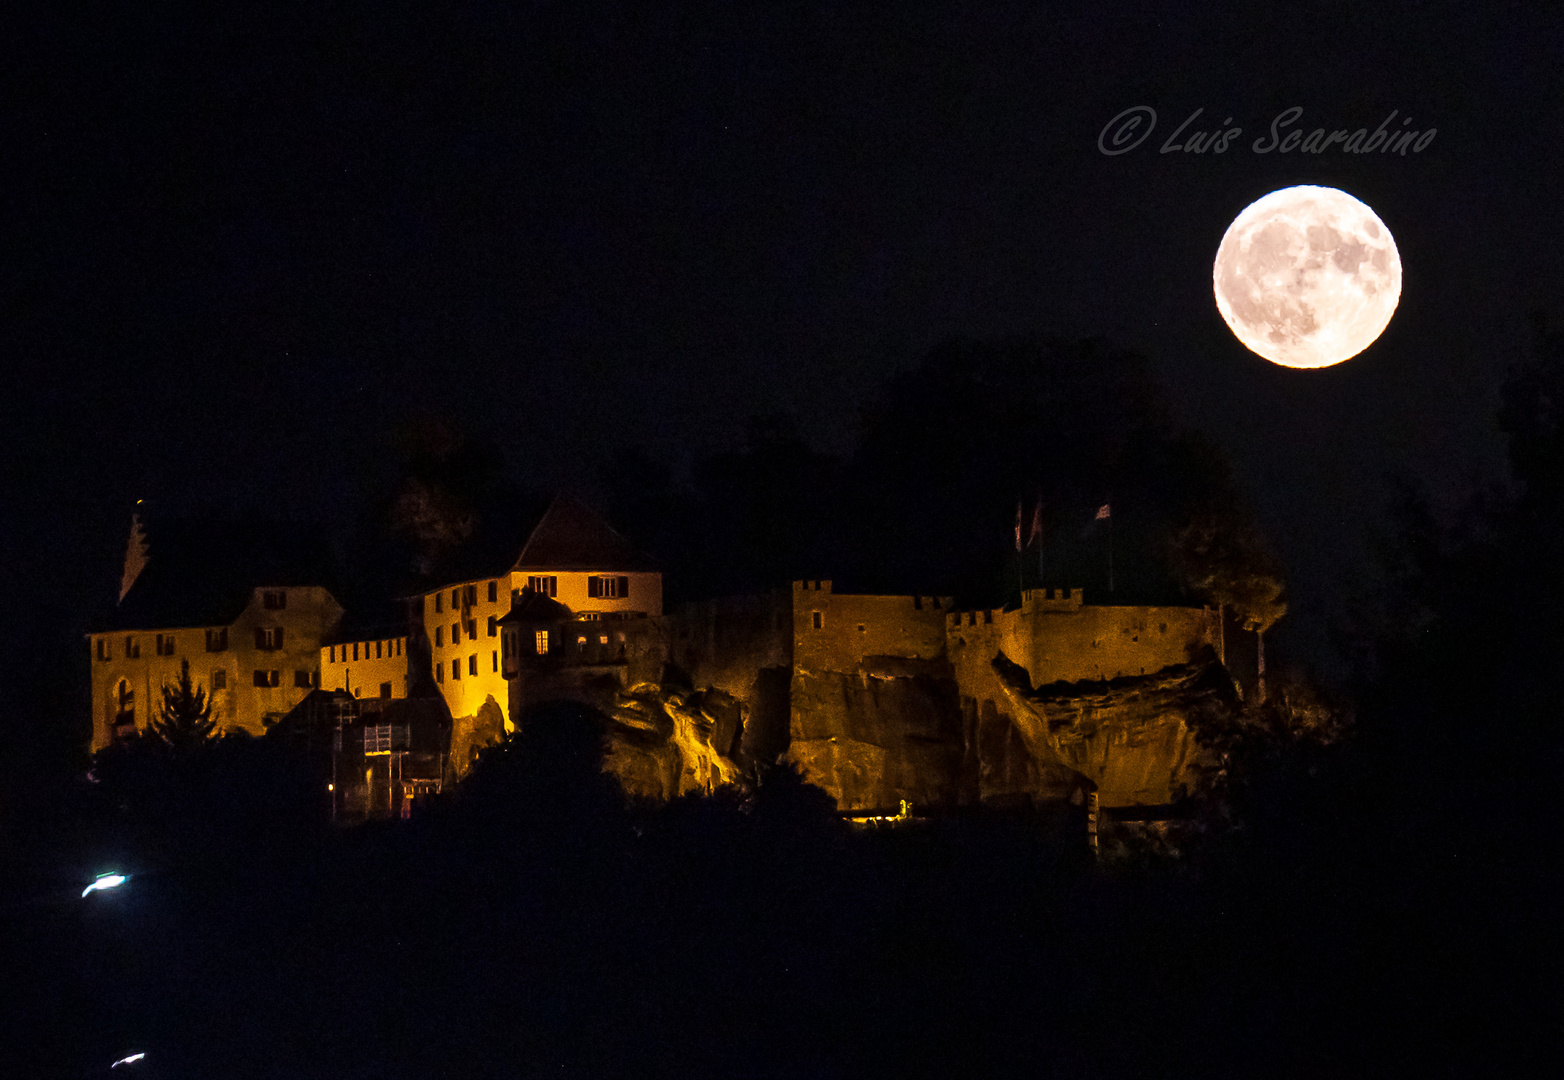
(238, 248)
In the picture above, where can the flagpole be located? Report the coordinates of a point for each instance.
(1110, 547)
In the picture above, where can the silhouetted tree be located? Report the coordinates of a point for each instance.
(184, 723)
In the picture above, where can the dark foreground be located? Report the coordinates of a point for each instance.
(539, 928)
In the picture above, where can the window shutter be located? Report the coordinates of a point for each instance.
(260, 638)
(278, 638)
(594, 586)
(624, 586)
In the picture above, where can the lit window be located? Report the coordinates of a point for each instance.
(581, 640)
(602, 639)
(542, 639)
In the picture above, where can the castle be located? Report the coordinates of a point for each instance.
(877, 699)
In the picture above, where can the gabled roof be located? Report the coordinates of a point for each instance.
(572, 537)
(534, 607)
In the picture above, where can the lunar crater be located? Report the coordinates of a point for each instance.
(1307, 276)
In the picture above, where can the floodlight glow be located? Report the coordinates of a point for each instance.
(106, 881)
(127, 1060)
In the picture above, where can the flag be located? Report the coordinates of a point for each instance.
(1102, 513)
(1018, 525)
(1037, 522)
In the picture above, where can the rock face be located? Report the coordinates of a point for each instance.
(1133, 737)
(664, 744)
(880, 699)
(873, 739)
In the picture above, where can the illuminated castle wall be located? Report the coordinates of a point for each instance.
(256, 665)
(876, 698)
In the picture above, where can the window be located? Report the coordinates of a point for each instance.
(544, 586)
(438, 599)
(494, 591)
(602, 639)
(494, 625)
(542, 639)
(818, 620)
(267, 678)
(132, 649)
(472, 595)
(385, 689)
(439, 673)
(496, 657)
(581, 641)
(456, 633)
(303, 679)
(399, 646)
(219, 678)
(456, 598)
(439, 635)
(332, 655)
(217, 640)
(378, 646)
(355, 650)
(103, 648)
(472, 629)
(268, 638)
(472, 664)
(164, 645)
(274, 599)
(608, 587)
(456, 668)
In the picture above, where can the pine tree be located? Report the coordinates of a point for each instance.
(185, 722)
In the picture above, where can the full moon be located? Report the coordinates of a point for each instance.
(1307, 276)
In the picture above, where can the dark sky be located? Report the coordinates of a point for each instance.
(238, 247)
